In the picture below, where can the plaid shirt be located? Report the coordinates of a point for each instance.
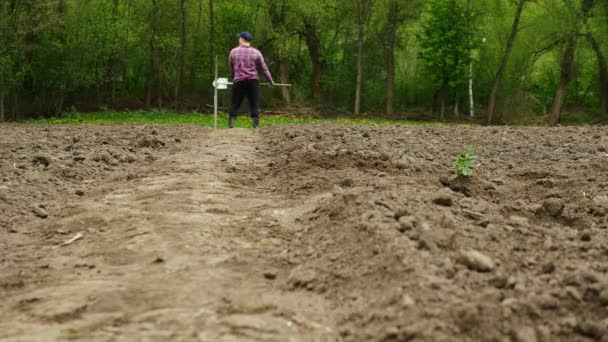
(245, 61)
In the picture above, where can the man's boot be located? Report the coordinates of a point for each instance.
(231, 122)
(256, 122)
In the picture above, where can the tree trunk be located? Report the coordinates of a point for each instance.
(14, 105)
(114, 62)
(157, 66)
(193, 71)
(364, 9)
(442, 109)
(59, 104)
(314, 49)
(284, 76)
(212, 38)
(471, 95)
(505, 60)
(125, 81)
(443, 95)
(566, 65)
(565, 75)
(154, 72)
(603, 75)
(393, 9)
(198, 18)
(182, 50)
(359, 75)
(457, 108)
(277, 20)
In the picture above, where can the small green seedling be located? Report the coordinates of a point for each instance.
(465, 163)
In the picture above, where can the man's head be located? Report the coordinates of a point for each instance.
(245, 38)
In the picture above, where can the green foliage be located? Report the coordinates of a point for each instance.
(55, 54)
(465, 163)
(445, 41)
(160, 116)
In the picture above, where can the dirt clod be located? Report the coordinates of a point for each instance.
(42, 159)
(590, 329)
(553, 206)
(443, 200)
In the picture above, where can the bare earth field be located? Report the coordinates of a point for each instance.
(302, 233)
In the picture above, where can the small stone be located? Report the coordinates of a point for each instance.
(547, 302)
(79, 193)
(509, 302)
(477, 261)
(401, 165)
(554, 207)
(519, 221)
(407, 301)
(525, 334)
(535, 208)
(159, 260)
(574, 293)
(473, 215)
(40, 212)
(407, 223)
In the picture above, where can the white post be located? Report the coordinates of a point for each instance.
(215, 104)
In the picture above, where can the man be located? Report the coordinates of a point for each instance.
(245, 62)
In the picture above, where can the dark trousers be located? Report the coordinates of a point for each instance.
(249, 89)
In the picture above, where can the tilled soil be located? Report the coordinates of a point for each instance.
(303, 233)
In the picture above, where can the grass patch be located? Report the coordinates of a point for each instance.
(168, 118)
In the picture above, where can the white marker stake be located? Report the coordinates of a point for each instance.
(215, 97)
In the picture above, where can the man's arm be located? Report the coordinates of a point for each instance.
(262, 64)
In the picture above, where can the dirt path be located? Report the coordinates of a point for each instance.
(171, 256)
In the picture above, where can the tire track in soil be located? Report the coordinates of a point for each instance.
(173, 256)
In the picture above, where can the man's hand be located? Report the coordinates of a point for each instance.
(270, 84)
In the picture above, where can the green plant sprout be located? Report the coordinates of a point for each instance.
(465, 163)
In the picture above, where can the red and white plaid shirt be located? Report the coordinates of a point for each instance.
(245, 61)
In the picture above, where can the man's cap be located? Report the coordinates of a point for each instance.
(246, 36)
